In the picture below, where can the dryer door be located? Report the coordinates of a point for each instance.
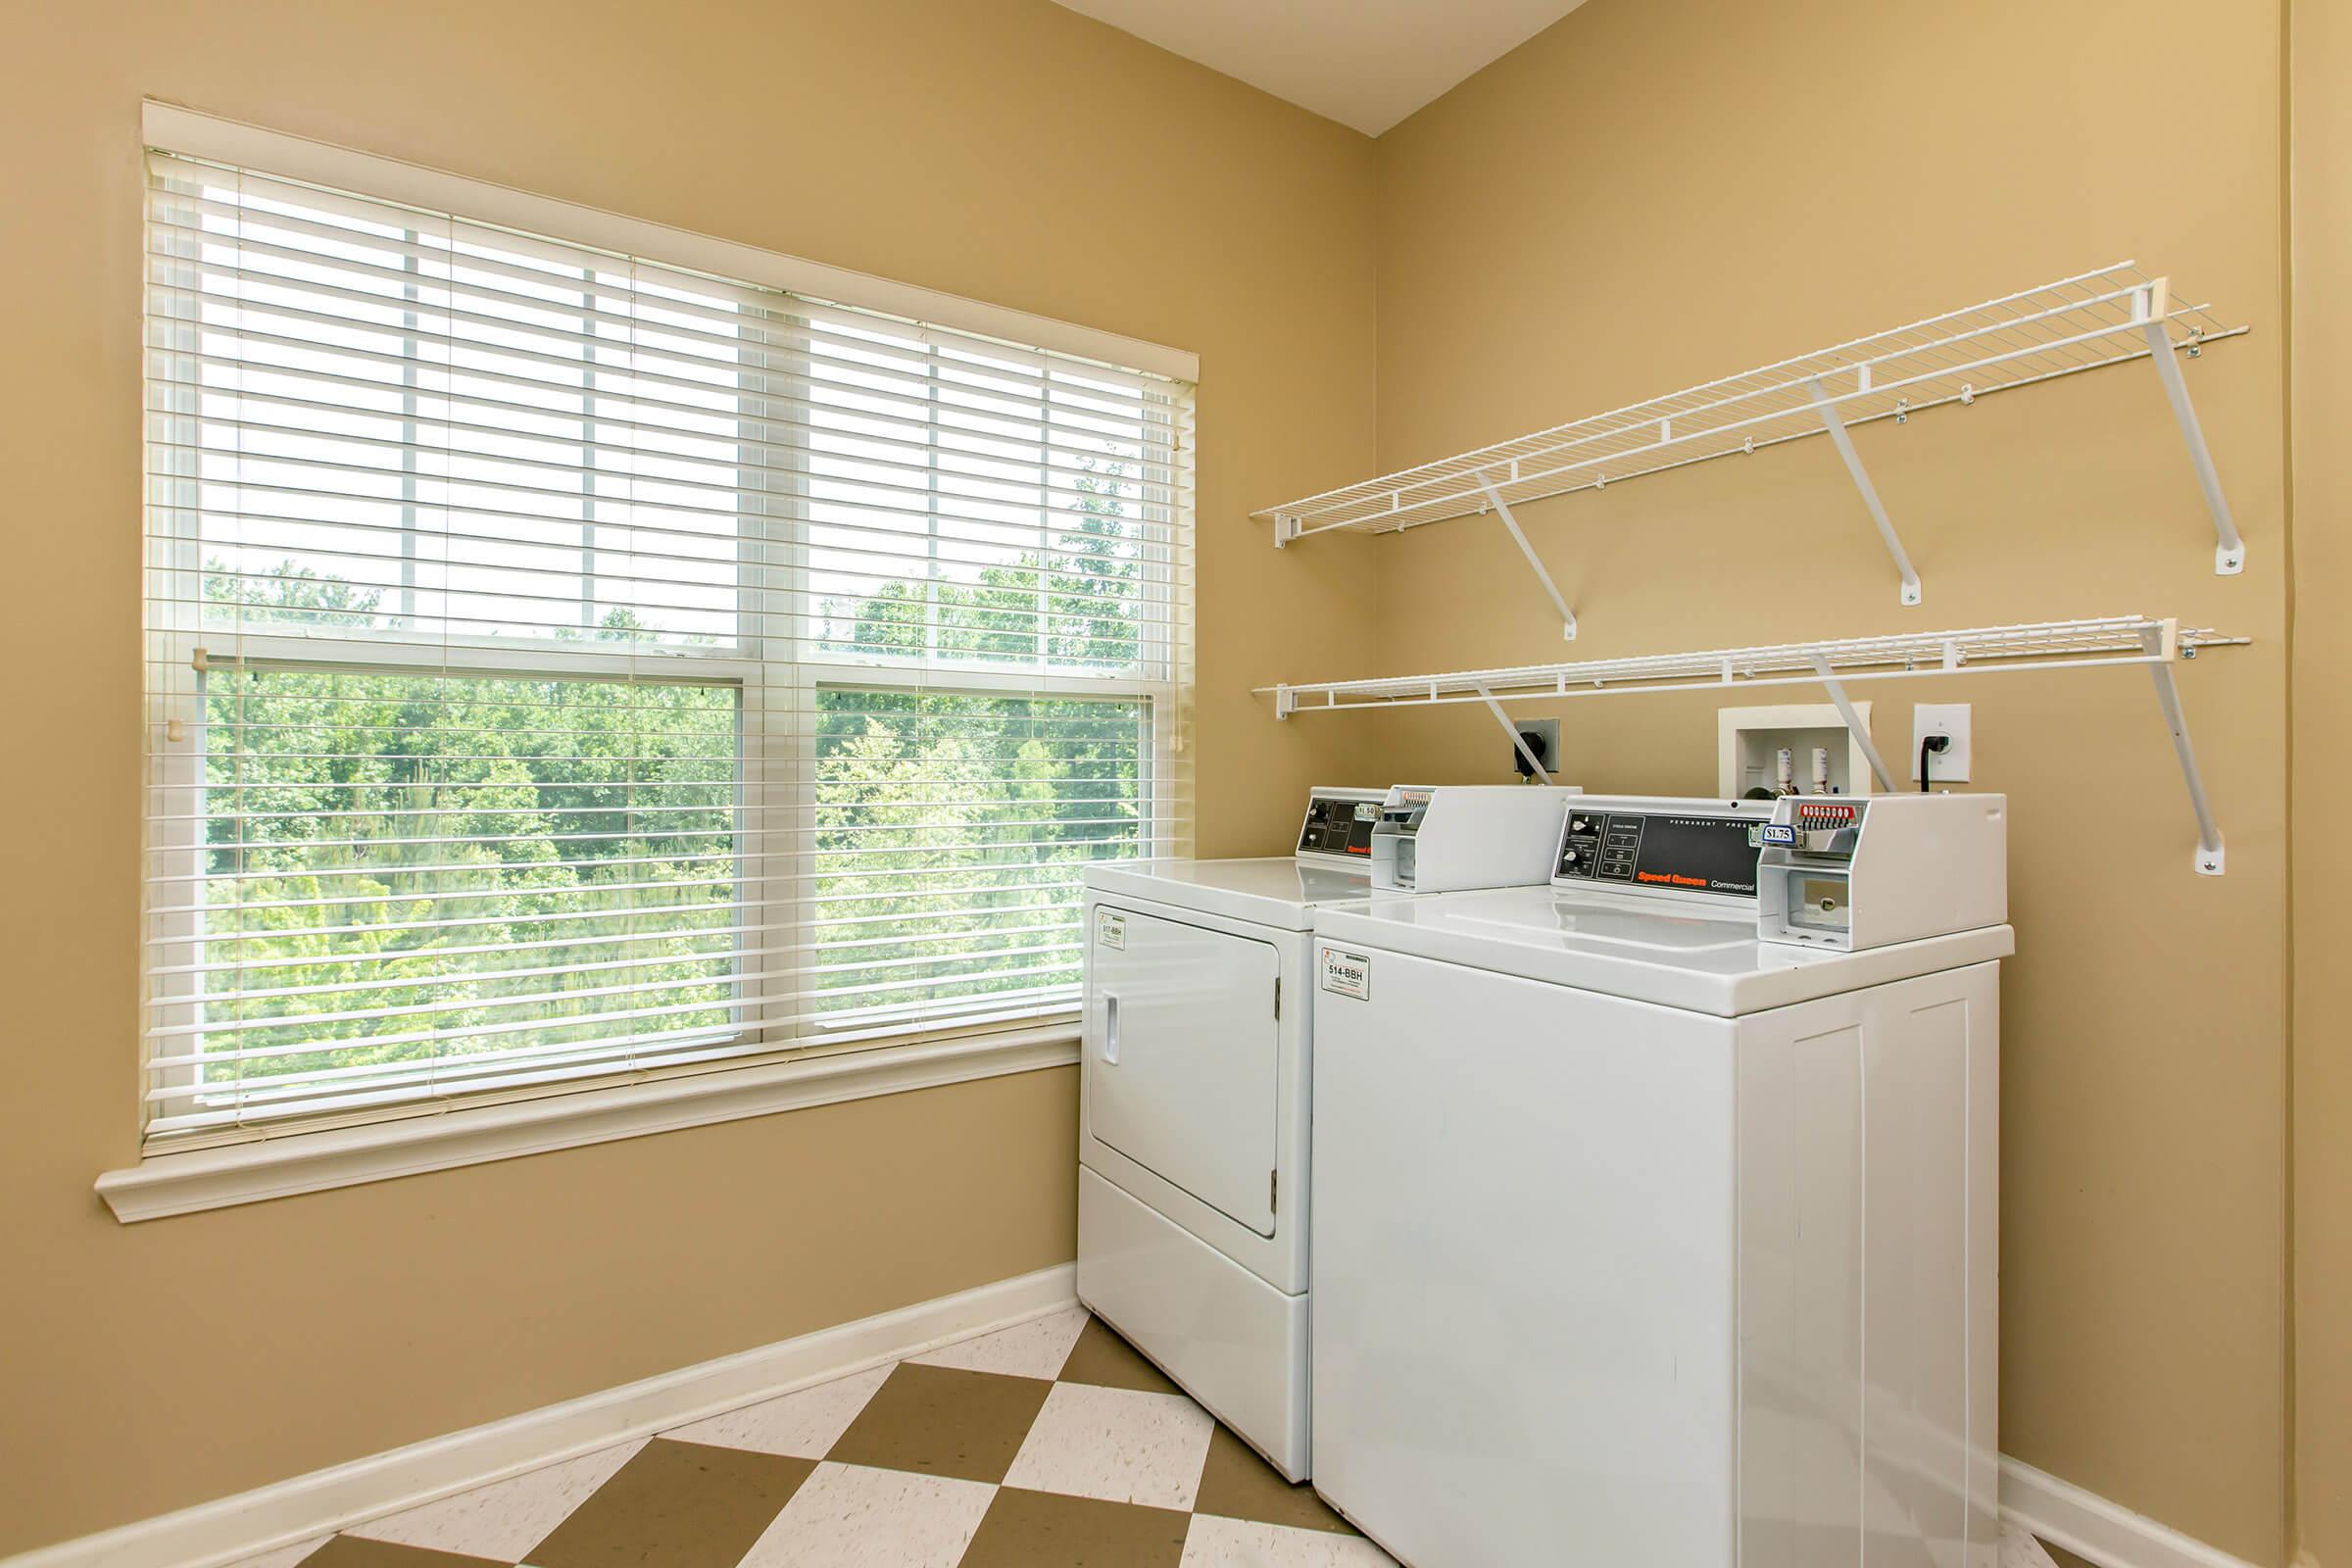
(1181, 1045)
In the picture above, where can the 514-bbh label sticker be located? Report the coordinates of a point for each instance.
(1110, 928)
(1348, 975)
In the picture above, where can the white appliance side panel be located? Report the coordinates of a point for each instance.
(1983, 1262)
(1915, 1281)
(1183, 1056)
(1522, 1254)
(1801, 1301)
(1930, 864)
(1230, 1340)
(1865, 1249)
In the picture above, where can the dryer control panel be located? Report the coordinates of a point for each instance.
(1696, 846)
(1337, 829)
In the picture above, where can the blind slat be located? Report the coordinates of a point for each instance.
(840, 430)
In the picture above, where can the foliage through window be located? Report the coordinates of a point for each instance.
(562, 665)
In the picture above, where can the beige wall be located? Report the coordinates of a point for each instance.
(1652, 192)
(2322, 402)
(1005, 149)
(1655, 192)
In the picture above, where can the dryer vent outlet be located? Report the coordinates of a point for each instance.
(1541, 737)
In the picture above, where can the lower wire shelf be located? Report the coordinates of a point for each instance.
(2157, 644)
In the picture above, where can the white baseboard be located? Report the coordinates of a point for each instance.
(324, 1500)
(2102, 1532)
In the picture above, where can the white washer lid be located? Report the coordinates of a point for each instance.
(1277, 891)
(1679, 958)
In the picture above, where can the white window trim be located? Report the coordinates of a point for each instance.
(292, 1158)
(289, 1159)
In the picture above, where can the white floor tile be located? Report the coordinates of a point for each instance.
(505, 1519)
(2021, 1550)
(805, 1425)
(1116, 1444)
(283, 1556)
(848, 1516)
(1032, 1349)
(1217, 1543)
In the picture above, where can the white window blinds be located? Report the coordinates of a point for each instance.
(560, 665)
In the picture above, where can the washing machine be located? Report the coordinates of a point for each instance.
(1656, 1208)
(1194, 1083)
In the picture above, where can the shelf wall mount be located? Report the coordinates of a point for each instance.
(2084, 323)
(2153, 309)
(2113, 641)
(1834, 423)
(1535, 562)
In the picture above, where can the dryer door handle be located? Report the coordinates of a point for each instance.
(1109, 1051)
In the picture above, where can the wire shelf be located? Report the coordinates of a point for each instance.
(2078, 324)
(2042, 645)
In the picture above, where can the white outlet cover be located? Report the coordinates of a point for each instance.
(1951, 764)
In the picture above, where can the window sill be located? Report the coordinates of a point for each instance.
(297, 1161)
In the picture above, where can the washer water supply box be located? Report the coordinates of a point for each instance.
(1444, 838)
(1849, 873)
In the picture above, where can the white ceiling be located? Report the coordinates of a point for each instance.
(1363, 63)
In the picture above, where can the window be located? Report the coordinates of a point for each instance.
(562, 665)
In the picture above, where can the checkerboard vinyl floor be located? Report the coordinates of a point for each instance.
(1048, 1444)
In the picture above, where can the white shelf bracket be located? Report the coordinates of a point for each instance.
(1835, 424)
(1286, 529)
(1518, 743)
(2209, 857)
(1286, 702)
(1853, 722)
(1551, 589)
(2229, 551)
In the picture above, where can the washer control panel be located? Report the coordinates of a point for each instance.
(1685, 851)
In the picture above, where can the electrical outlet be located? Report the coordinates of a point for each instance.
(1547, 731)
(1950, 721)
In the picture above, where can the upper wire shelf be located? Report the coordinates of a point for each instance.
(2077, 324)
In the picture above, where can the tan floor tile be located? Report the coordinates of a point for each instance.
(1239, 1485)
(804, 1424)
(848, 1516)
(1032, 1349)
(676, 1506)
(2019, 1549)
(1103, 1358)
(1044, 1530)
(1117, 1444)
(505, 1519)
(944, 1421)
(351, 1551)
(1217, 1543)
